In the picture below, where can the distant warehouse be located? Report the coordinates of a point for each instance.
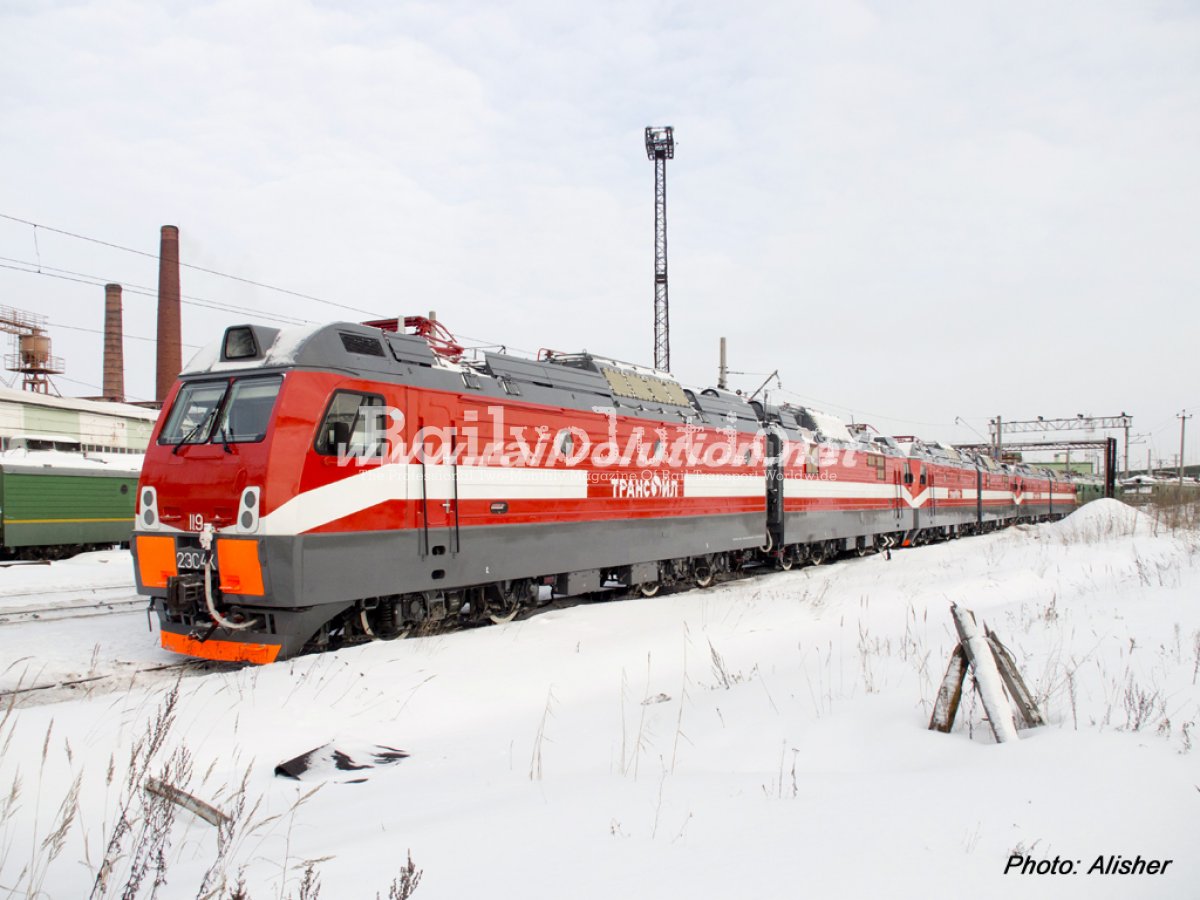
(93, 425)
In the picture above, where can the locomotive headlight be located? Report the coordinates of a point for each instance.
(248, 510)
(148, 514)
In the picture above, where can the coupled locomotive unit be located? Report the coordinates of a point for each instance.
(310, 487)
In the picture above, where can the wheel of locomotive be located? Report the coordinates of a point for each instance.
(380, 623)
(365, 624)
(818, 553)
(649, 588)
(787, 558)
(506, 598)
(703, 571)
(861, 547)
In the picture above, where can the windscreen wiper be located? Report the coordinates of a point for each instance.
(203, 423)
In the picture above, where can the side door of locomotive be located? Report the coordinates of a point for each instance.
(914, 477)
(931, 494)
(774, 470)
(979, 482)
(434, 476)
(898, 467)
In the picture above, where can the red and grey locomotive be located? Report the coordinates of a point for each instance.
(308, 487)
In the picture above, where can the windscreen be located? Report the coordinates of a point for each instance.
(247, 411)
(193, 413)
(222, 411)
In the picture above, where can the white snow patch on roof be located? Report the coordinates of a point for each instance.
(831, 426)
(99, 407)
(287, 344)
(282, 352)
(203, 359)
(125, 463)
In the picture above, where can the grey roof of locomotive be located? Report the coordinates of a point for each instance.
(370, 353)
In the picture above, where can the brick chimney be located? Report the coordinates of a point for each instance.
(169, 341)
(114, 354)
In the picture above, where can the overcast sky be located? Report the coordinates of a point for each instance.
(916, 212)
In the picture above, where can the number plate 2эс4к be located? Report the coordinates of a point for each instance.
(189, 559)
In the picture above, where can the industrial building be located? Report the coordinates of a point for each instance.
(97, 426)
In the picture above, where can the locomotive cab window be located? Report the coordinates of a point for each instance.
(247, 413)
(192, 415)
(355, 424)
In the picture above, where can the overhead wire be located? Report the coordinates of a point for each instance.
(99, 281)
(481, 343)
(192, 266)
(66, 274)
(135, 337)
(95, 387)
(863, 412)
(145, 290)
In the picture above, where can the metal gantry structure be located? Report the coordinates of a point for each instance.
(997, 428)
(1106, 445)
(660, 146)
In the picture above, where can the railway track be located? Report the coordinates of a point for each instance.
(59, 689)
(97, 602)
(56, 690)
(97, 675)
(128, 674)
(87, 681)
(108, 681)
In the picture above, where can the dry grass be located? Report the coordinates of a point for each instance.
(136, 844)
(1173, 508)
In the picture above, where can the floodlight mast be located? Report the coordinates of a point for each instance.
(660, 146)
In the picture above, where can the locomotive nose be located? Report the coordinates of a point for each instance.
(207, 592)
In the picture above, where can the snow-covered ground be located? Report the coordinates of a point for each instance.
(761, 739)
(72, 619)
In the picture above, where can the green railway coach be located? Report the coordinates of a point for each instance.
(54, 510)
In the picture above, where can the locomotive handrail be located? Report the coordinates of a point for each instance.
(454, 476)
(424, 506)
